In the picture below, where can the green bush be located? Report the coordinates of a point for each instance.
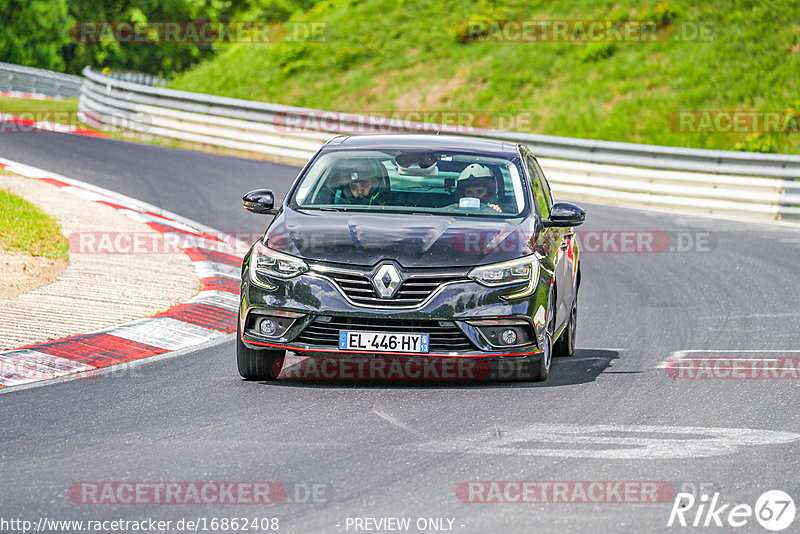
(475, 28)
(598, 51)
(661, 13)
(759, 142)
(32, 32)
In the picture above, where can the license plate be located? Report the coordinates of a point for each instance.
(383, 341)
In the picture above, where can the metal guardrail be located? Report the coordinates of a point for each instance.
(623, 173)
(16, 78)
(139, 78)
(721, 182)
(760, 186)
(653, 156)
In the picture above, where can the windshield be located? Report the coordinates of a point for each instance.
(416, 181)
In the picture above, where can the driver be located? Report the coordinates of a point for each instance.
(477, 181)
(360, 186)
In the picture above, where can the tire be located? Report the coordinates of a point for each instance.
(541, 369)
(565, 346)
(257, 364)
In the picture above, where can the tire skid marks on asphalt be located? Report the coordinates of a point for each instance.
(612, 442)
(24, 366)
(210, 314)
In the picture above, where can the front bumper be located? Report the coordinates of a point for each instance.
(446, 316)
(405, 368)
(319, 350)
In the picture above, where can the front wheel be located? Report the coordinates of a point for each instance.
(565, 346)
(257, 364)
(541, 369)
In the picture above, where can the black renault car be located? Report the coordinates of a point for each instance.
(412, 246)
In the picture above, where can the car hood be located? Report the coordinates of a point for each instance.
(412, 240)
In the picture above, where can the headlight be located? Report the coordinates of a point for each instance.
(509, 272)
(265, 262)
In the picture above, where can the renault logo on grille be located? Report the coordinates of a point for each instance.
(386, 281)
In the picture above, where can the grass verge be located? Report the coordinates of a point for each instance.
(15, 106)
(384, 56)
(25, 227)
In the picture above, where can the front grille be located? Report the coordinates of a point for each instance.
(412, 292)
(445, 336)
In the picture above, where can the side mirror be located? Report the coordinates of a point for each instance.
(260, 201)
(564, 214)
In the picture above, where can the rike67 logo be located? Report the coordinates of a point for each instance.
(774, 510)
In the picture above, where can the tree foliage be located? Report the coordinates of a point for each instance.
(33, 32)
(149, 57)
(47, 33)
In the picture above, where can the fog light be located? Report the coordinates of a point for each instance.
(505, 332)
(268, 328)
(508, 337)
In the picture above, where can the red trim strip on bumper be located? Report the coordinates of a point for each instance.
(438, 355)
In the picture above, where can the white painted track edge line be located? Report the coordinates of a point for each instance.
(140, 205)
(223, 338)
(101, 190)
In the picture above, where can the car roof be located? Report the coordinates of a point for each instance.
(424, 142)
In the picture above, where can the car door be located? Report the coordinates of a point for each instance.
(549, 239)
(567, 267)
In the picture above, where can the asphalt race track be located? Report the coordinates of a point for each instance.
(401, 450)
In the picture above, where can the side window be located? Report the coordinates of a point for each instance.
(546, 186)
(539, 193)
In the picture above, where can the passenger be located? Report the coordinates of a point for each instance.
(477, 181)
